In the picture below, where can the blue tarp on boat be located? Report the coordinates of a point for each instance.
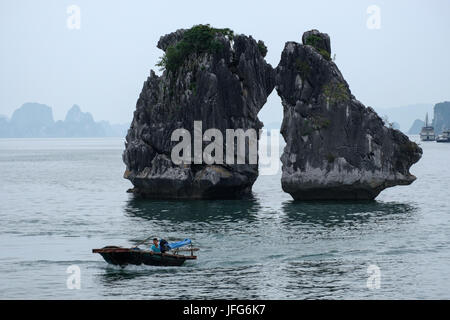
(179, 244)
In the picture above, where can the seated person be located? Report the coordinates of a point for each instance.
(163, 246)
(155, 246)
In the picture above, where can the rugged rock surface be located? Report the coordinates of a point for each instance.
(320, 41)
(336, 148)
(441, 119)
(224, 88)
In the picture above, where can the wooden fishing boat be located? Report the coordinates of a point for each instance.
(124, 256)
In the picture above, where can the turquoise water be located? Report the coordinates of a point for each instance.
(59, 198)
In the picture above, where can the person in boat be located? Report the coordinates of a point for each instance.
(163, 246)
(155, 246)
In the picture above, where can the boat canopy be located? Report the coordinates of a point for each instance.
(179, 244)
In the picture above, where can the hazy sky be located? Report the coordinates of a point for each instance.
(102, 66)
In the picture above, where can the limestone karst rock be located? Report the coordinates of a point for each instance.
(213, 76)
(441, 119)
(336, 148)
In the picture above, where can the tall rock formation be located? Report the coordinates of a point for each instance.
(210, 75)
(441, 120)
(336, 148)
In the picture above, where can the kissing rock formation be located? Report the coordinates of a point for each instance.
(336, 148)
(213, 76)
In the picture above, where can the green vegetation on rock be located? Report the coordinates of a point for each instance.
(325, 54)
(199, 39)
(331, 157)
(320, 122)
(314, 123)
(193, 88)
(315, 41)
(303, 68)
(262, 48)
(336, 92)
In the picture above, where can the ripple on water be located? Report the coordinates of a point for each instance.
(70, 197)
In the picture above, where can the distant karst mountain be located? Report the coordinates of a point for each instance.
(405, 115)
(416, 127)
(31, 120)
(441, 119)
(34, 120)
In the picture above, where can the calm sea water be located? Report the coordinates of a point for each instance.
(59, 198)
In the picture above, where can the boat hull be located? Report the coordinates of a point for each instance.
(427, 133)
(124, 256)
(444, 137)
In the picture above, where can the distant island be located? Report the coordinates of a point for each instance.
(404, 116)
(411, 118)
(416, 126)
(35, 120)
(441, 119)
